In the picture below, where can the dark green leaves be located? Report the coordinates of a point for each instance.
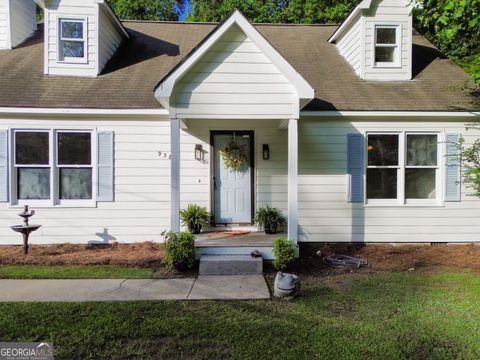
(145, 9)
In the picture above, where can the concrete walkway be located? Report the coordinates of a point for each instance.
(232, 287)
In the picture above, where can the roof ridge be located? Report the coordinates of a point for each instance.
(216, 23)
(168, 22)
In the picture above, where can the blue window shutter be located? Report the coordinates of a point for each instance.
(355, 168)
(453, 181)
(105, 163)
(3, 166)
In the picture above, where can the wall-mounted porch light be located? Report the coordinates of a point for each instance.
(199, 152)
(266, 152)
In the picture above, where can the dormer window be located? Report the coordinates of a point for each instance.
(73, 40)
(387, 45)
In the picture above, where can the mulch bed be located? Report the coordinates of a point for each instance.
(146, 254)
(385, 258)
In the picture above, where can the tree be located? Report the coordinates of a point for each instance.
(454, 27)
(274, 11)
(145, 9)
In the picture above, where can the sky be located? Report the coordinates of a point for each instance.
(184, 10)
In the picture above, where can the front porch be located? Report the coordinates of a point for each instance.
(271, 180)
(232, 243)
(227, 238)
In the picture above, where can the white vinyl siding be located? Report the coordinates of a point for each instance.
(141, 208)
(234, 78)
(350, 45)
(4, 28)
(109, 40)
(389, 13)
(140, 211)
(23, 22)
(325, 215)
(17, 22)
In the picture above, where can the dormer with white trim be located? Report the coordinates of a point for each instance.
(17, 22)
(80, 36)
(376, 40)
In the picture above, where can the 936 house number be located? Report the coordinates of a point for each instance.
(164, 156)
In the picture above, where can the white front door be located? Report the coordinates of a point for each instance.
(232, 188)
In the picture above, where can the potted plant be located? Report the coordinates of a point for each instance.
(270, 219)
(194, 217)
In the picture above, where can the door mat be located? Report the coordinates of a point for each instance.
(233, 232)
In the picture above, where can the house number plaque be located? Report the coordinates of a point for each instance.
(164, 156)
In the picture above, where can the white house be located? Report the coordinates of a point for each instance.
(348, 128)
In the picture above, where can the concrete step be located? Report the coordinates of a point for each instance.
(230, 265)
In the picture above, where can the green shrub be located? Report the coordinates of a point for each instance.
(195, 217)
(180, 249)
(284, 251)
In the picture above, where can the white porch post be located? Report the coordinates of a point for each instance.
(293, 179)
(175, 175)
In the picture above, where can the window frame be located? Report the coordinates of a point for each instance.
(61, 39)
(70, 166)
(15, 167)
(397, 46)
(402, 166)
(54, 200)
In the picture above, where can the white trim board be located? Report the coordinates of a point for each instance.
(364, 5)
(72, 111)
(93, 111)
(113, 16)
(391, 113)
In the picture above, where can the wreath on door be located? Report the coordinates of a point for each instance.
(234, 155)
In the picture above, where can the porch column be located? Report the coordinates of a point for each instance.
(293, 180)
(175, 175)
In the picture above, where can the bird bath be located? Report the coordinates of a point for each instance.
(25, 229)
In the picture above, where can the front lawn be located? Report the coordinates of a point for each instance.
(76, 272)
(426, 314)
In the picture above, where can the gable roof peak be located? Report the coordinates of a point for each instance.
(164, 89)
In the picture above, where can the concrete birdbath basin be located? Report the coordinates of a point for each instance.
(26, 228)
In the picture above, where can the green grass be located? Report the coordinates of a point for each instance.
(376, 316)
(74, 272)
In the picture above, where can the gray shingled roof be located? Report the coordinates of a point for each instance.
(156, 47)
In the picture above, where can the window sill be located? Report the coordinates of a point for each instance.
(73, 61)
(48, 205)
(429, 204)
(386, 66)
